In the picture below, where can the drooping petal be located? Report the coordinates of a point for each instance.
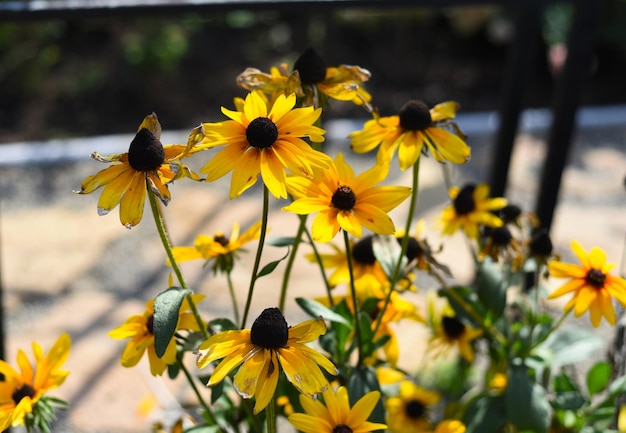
(245, 172)
(325, 226)
(268, 379)
(132, 203)
(350, 222)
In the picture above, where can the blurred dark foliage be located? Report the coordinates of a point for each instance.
(102, 76)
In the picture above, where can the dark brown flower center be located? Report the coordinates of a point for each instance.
(413, 248)
(500, 236)
(343, 198)
(146, 152)
(150, 324)
(452, 327)
(270, 329)
(596, 278)
(464, 201)
(510, 213)
(342, 428)
(261, 133)
(363, 251)
(415, 116)
(25, 391)
(311, 67)
(414, 409)
(221, 239)
(540, 243)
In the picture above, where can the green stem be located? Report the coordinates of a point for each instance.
(357, 319)
(270, 416)
(233, 296)
(404, 244)
(318, 258)
(257, 260)
(160, 225)
(254, 421)
(203, 403)
(290, 262)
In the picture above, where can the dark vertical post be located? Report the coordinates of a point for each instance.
(567, 98)
(516, 83)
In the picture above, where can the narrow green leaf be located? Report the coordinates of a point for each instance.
(269, 268)
(166, 310)
(315, 309)
(598, 377)
(280, 241)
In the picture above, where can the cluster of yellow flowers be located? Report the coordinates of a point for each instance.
(275, 135)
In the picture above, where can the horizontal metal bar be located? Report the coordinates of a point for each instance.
(79, 9)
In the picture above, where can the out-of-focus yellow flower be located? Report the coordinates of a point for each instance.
(592, 285)
(22, 391)
(408, 411)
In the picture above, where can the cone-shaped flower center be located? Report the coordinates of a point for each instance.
(510, 213)
(150, 324)
(464, 202)
(540, 244)
(221, 239)
(343, 198)
(415, 409)
(501, 236)
(261, 133)
(270, 329)
(415, 116)
(145, 152)
(596, 278)
(413, 248)
(342, 428)
(25, 391)
(363, 251)
(452, 327)
(311, 67)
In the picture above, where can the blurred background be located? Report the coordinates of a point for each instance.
(72, 86)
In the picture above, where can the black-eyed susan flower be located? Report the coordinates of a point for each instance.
(139, 329)
(335, 415)
(592, 285)
(408, 411)
(501, 245)
(263, 351)
(420, 254)
(220, 249)
(147, 164)
(263, 140)
(311, 80)
(345, 201)
(411, 132)
(22, 393)
(471, 208)
(453, 333)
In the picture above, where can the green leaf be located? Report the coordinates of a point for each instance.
(315, 309)
(387, 249)
(166, 309)
(569, 400)
(269, 268)
(526, 402)
(618, 386)
(571, 345)
(222, 324)
(485, 414)
(361, 381)
(598, 377)
(490, 288)
(281, 241)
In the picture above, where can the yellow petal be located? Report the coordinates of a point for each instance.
(325, 226)
(132, 203)
(303, 373)
(245, 172)
(268, 379)
(349, 222)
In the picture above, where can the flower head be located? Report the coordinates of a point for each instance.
(471, 208)
(218, 248)
(411, 132)
(139, 329)
(147, 164)
(408, 411)
(345, 201)
(265, 140)
(335, 415)
(265, 349)
(21, 392)
(592, 285)
(311, 80)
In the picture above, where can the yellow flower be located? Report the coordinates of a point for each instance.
(450, 426)
(261, 350)
(591, 283)
(139, 329)
(257, 142)
(218, 247)
(147, 164)
(20, 392)
(311, 80)
(335, 415)
(411, 132)
(346, 201)
(407, 412)
(471, 208)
